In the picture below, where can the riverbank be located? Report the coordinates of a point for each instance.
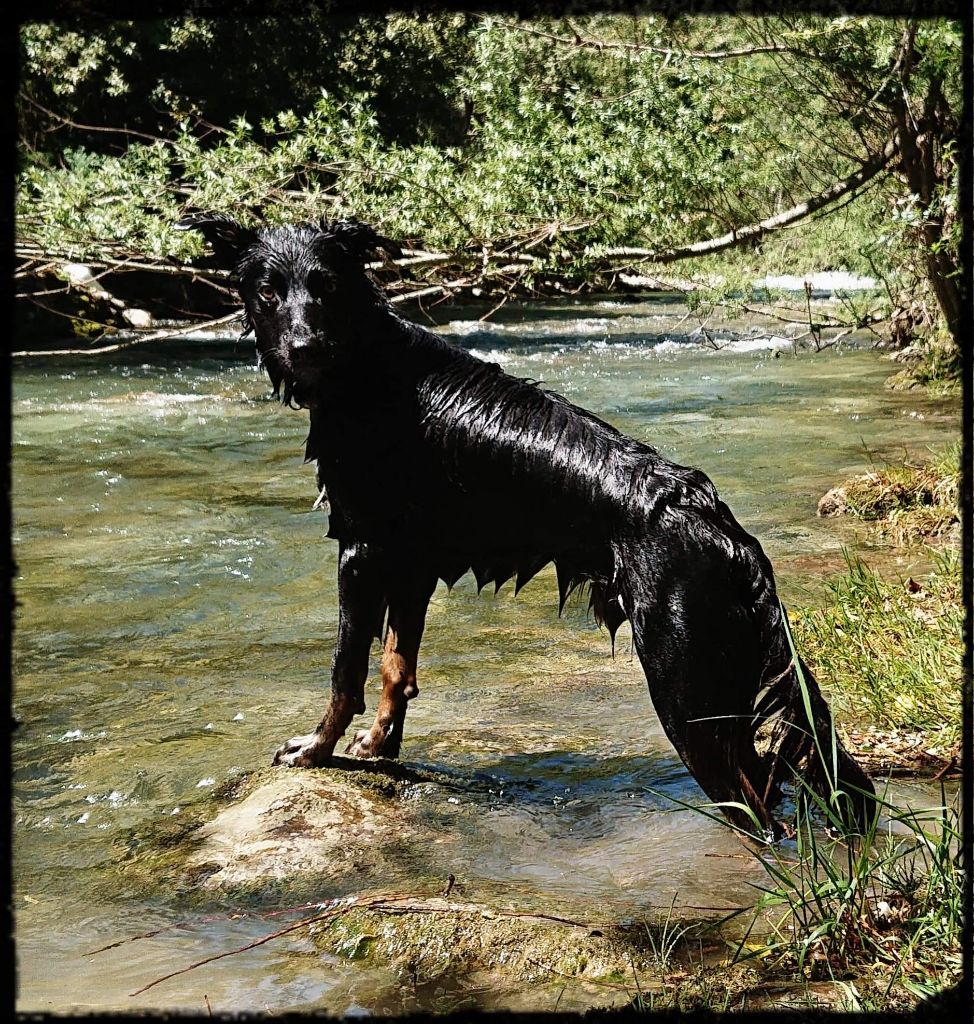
(892, 648)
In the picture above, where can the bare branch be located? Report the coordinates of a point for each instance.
(163, 335)
(579, 42)
(751, 232)
(66, 122)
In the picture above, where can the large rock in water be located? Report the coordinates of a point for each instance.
(318, 833)
(364, 847)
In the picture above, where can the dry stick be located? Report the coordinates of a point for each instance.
(141, 935)
(67, 316)
(25, 252)
(948, 767)
(28, 270)
(335, 908)
(389, 903)
(239, 949)
(424, 292)
(154, 336)
(835, 321)
(90, 127)
(490, 312)
(449, 288)
(205, 920)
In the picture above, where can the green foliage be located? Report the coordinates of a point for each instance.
(68, 61)
(890, 653)
(148, 75)
(460, 130)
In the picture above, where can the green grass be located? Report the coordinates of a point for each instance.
(883, 909)
(890, 651)
(877, 914)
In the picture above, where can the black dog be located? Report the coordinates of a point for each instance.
(435, 462)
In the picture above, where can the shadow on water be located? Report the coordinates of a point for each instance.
(559, 781)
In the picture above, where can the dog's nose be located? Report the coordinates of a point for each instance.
(300, 345)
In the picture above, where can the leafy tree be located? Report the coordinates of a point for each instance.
(523, 151)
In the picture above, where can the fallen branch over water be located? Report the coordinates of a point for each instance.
(748, 233)
(161, 335)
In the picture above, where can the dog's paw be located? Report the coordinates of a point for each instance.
(361, 745)
(302, 752)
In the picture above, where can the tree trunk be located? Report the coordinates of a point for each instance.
(920, 138)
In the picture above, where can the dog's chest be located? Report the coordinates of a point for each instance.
(380, 480)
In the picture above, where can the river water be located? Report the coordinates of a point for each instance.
(177, 612)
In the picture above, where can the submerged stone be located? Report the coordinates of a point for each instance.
(322, 832)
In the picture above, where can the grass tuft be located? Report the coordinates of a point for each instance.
(886, 907)
(906, 503)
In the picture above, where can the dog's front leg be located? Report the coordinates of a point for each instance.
(407, 616)
(360, 596)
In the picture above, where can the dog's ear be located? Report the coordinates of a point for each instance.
(358, 239)
(228, 239)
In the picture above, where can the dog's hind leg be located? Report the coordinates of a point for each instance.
(709, 729)
(702, 658)
(360, 606)
(407, 617)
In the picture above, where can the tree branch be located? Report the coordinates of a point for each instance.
(580, 42)
(163, 335)
(751, 232)
(67, 122)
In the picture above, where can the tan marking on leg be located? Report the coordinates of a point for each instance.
(316, 748)
(398, 670)
(337, 718)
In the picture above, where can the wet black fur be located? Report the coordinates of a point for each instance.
(443, 464)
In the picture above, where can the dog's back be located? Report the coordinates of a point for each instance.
(441, 450)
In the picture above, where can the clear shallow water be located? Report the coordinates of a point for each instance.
(177, 616)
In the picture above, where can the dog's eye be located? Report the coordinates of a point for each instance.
(267, 294)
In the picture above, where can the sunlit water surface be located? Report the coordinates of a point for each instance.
(177, 614)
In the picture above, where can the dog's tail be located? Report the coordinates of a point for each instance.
(742, 709)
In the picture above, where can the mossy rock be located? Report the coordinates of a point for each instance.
(905, 503)
(421, 938)
(278, 831)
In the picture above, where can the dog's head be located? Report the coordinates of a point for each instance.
(304, 288)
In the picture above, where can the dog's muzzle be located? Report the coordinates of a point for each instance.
(301, 348)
